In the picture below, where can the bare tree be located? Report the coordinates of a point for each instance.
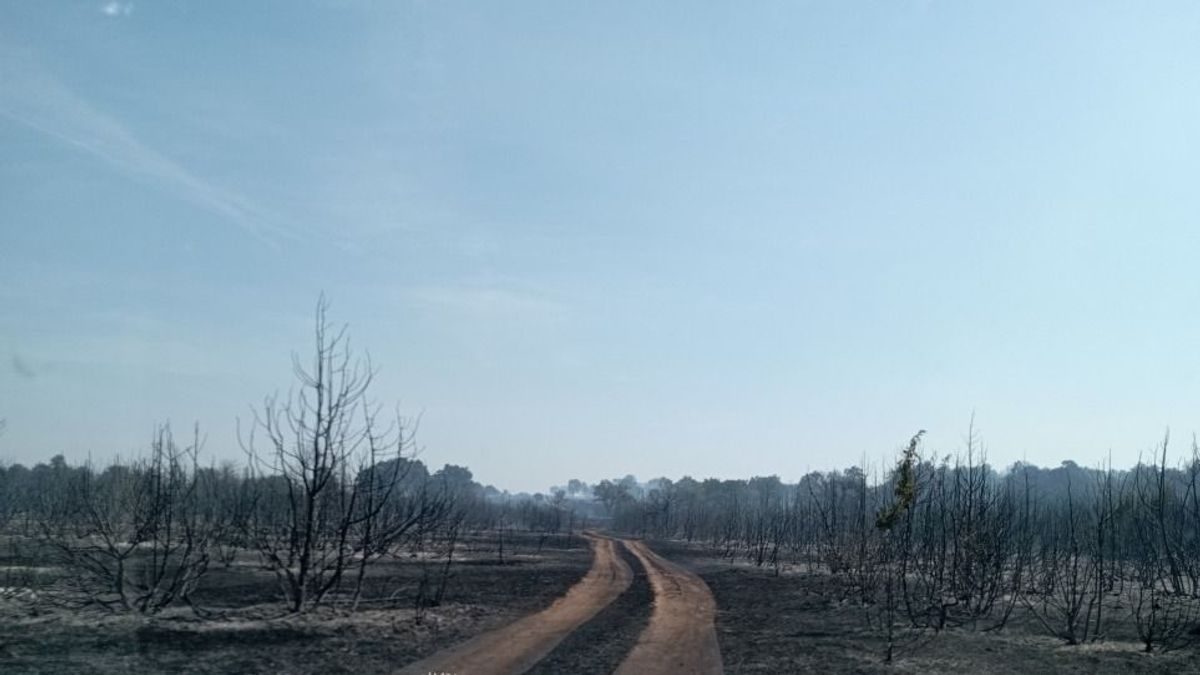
(314, 456)
(136, 537)
(1163, 603)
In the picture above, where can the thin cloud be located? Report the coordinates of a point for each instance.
(117, 8)
(37, 100)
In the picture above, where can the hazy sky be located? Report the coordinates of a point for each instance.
(585, 239)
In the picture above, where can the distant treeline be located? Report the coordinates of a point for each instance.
(330, 487)
(951, 542)
(140, 535)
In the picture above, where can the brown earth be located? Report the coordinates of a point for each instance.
(544, 607)
(600, 645)
(518, 646)
(681, 637)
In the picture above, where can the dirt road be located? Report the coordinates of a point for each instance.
(681, 637)
(517, 646)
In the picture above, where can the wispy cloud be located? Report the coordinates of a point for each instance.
(36, 99)
(117, 8)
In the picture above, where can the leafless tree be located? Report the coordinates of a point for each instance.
(136, 537)
(323, 503)
(1163, 598)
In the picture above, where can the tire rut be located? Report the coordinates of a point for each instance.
(517, 647)
(601, 644)
(665, 624)
(681, 636)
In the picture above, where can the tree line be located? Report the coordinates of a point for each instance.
(329, 488)
(931, 543)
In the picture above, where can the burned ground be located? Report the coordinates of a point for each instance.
(601, 644)
(244, 630)
(799, 621)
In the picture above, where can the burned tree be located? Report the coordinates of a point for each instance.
(135, 537)
(323, 499)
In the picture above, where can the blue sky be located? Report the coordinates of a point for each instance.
(585, 239)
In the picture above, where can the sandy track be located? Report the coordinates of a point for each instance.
(681, 637)
(518, 646)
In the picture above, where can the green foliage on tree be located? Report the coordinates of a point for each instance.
(906, 486)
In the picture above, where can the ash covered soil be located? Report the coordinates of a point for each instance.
(798, 622)
(244, 630)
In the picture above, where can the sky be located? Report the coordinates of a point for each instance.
(591, 239)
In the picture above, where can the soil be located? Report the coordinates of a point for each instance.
(247, 632)
(680, 637)
(798, 621)
(601, 644)
(517, 646)
(626, 608)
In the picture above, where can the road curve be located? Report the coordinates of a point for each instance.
(681, 637)
(518, 646)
